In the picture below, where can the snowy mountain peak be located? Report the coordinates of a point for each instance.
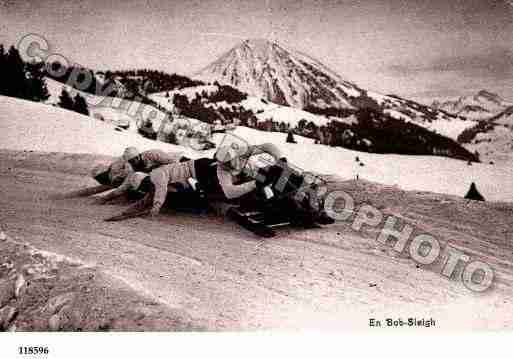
(266, 69)
(259, 44)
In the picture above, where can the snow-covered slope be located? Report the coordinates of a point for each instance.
(114, 110)
(495, 145)
(492, 138)
(165, 97)
(263, 110)
(480, 106)
(396, 107)
(423, 173)
(28, 125)
(355, 129)
(505, 117)
(424, 116)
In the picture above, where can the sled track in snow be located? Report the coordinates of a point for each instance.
(225, 278)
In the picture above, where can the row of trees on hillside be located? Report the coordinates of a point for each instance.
(21, 79)
(81, 78)
(366, 129)
(196, 109)
(371, 130)
(374, 131)
(224, 93)
(77, 77)
(201, 108)
(77, 103)
(151, 81)
(469, 134)
(26, 80)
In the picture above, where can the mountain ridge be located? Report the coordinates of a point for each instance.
(479, 106)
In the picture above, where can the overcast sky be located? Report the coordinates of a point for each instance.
(422, 49)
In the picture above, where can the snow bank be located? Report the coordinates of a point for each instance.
(255, 136)
(421, 173)
(26, 125)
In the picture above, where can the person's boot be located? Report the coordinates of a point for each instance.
(324, 219)
(303, 220)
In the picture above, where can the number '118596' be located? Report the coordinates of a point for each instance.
(33, 350)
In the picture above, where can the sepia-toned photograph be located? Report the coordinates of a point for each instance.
(248, 166)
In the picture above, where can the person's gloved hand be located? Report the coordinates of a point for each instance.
(271, 175)
(264, 193)
(267, 192)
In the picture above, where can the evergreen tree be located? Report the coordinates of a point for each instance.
(301, 125)
(474, 194)
(36, 85)
(290, 138)
(20, 79)
(65, 100)
(2, 70)
(80, 105)
(15, 79)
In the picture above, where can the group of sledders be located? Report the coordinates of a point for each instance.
(259, 194)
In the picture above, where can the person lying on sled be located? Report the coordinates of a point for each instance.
(134, 161)
(108, 177)
(112, 175)
(147, 161)
(218, 177)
